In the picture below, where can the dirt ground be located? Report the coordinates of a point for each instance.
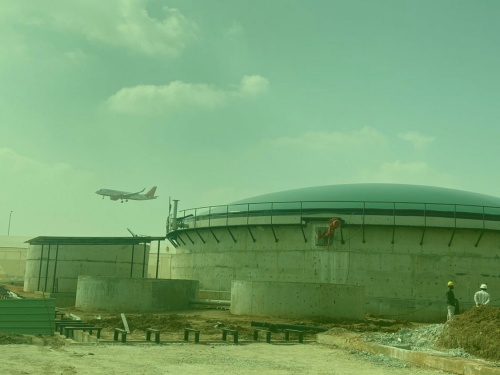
(210, 322)
(26, 354)
(475, 330)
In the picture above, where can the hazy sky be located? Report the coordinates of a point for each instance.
(220, 100)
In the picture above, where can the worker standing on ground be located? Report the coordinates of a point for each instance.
(482, 297)
(450, 300)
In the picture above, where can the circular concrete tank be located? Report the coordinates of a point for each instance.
(403, 243)
(296, 300)
(134, 295)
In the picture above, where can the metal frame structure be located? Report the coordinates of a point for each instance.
(56, 241)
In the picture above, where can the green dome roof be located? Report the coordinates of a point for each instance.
(361, 199)
(378, 192)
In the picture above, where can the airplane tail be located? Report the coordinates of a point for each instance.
(151, 193)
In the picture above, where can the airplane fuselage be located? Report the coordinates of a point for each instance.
(125, 195)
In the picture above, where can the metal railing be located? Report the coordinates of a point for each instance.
(243, 213)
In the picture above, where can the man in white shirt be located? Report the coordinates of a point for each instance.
(482, 297)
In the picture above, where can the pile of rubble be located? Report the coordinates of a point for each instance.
(473, 333)
(476, 331)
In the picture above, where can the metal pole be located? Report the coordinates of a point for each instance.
(157, 258)
(144, 259)
(47, 270)
(8, 229)
(54, 289)
(40, 269)
(132, 261)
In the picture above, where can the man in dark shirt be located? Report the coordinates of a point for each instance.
(450, 300)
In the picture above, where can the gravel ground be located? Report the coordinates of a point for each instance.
(423, 339)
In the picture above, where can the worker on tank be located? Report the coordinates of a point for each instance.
(451, 301)
(482, 297)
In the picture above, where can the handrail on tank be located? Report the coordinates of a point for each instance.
(207, 212)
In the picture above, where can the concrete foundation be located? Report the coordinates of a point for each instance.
(294, 300)
(103, 293)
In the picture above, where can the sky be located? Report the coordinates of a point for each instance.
(221, 100)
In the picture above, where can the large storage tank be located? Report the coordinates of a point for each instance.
(403, 243)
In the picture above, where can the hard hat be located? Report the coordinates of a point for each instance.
(483, 286)
(450, 283)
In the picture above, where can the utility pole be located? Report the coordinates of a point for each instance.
(8, 229)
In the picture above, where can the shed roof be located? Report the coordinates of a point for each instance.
(45, 240)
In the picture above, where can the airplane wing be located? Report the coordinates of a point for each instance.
(127, 195)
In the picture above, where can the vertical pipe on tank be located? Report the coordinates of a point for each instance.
(174, 215)
(40, 269)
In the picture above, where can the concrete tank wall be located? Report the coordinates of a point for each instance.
(296, 300)
(163, 266)
(66, 262)
(134, 295)
(13, 251)
(403, 268)
(12, 263)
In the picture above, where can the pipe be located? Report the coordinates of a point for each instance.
(174, 215)
(288, 326)
(210, 302)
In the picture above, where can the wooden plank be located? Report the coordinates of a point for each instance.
(125, 324)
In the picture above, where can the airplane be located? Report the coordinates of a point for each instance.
(115, 195)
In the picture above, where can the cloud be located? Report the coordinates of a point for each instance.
(415, 172)
(331, 140)
(76, 55)
(253, 85)
(178, 96)
(235, 31)
(121, 23)
(12, 47)
(418, 140)
(22, 175)
(150, 99)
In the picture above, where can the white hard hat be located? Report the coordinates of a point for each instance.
(483, 286)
